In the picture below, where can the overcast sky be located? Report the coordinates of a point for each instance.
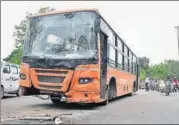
(147, 27)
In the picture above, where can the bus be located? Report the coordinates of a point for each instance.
(74, 56)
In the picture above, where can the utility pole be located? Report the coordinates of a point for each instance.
(177, 27)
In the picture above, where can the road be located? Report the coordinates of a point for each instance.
(144, 107)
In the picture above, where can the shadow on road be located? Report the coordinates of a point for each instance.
(73, 106)
(9, 96)
(121, 98)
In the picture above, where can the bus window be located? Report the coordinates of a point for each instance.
(111, 55)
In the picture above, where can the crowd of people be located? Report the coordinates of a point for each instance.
(154, 84)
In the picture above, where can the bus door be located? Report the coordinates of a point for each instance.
(103, 82)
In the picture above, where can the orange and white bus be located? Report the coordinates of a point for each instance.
(75, 56)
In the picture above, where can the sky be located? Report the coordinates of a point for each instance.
(147, 27)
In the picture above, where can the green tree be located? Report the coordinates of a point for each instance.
(162, 70)
(144, 66)
(19, 34)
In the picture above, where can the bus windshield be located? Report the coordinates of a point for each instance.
(62, 36)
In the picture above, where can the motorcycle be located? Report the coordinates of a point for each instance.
(175, 88)
(165, 88)
(147, 87)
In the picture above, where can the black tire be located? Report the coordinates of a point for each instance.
(167, 93)
(2, 92)
(110, 93)
(22, 91)
(112, 90)
(19, 92)
(56, 101)
(133, 91)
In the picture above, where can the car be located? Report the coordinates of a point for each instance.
(9, 79)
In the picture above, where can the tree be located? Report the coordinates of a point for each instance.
(144, 66)
(19, 34)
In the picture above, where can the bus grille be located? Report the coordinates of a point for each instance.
(55, 72)
(50, 87)
(51, 79)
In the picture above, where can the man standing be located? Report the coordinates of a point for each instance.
(147, 84)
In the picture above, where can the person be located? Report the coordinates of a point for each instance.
(168, 83)
(162, 85)
(154, 84)
(175, 83)
(147, 83)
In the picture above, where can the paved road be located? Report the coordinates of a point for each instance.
(145, 107)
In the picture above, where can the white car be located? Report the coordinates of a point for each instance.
(9, 79)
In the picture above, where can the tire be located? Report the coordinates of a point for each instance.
(2, 92)
(110, 93)
(167, 93)
(133, 91)
(112, 90)
(19, 92)
(22, 91)
(56, 101)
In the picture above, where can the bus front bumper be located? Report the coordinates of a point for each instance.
(82, 97)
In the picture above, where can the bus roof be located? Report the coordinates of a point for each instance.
(64, 11)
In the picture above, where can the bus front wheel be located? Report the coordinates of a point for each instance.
(133, 90)
(112, 89)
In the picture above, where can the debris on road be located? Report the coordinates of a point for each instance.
(41, 97)
(57, 119)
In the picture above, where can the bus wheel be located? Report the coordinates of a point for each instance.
(112, 91)
(133, 90)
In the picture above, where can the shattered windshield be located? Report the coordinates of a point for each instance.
(62, 36)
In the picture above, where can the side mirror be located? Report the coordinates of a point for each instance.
(5, 70)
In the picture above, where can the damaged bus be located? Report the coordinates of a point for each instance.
(75, 56)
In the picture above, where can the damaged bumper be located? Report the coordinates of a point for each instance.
(82, 97)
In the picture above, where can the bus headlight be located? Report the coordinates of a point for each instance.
(22, 76)
(85, 80)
